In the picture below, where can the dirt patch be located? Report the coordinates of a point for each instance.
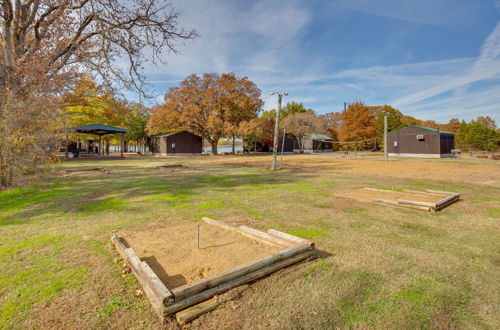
(474, 171)
(366, 195)
(172, 166)
(173, 254)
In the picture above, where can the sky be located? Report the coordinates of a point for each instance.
(432, 59)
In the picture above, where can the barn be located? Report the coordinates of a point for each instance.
(420, 141)
(181, 143)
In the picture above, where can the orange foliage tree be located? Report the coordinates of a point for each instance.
(209, 106)
(358, 122)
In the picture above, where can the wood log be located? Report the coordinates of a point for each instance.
(288, 237)
(451, 201)
(219, 224)
(158, 294)
(421, 192)
(196, 287)
(376, 189)
(185, 316)
(73, 170)
(254, 233)
(394, 203)
(418, 203)
(447, 199)
(207, 294)
(441, 192)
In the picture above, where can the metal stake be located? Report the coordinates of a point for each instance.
(198, 236)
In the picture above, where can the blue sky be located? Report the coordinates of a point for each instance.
(432, 59)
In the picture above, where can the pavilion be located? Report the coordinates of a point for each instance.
(100, 130)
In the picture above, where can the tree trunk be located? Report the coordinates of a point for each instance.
(234, 150)
(214, 146)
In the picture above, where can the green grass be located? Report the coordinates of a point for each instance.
(377, 267)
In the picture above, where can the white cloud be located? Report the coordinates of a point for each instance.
(444, 13)
(264, 41)
(487, 66)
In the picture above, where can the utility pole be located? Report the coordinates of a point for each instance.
(276, 128)
(282, 148)
(385, 136)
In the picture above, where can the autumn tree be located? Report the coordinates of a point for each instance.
(358, 122)
(206, 106)
(252, 131)
(330, 124)
(46, 45)
(301, 125)
(89, 103)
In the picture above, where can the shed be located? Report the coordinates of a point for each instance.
(315, 143)
(177, 143)
(420, 141)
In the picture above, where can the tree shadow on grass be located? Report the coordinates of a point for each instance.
(121, 190)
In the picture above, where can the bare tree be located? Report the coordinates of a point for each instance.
(300, 125)
(46, 44)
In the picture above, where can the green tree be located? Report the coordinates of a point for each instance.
(394, 121)
(136, 123)
(479, 135)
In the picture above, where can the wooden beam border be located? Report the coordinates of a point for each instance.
(166, 302)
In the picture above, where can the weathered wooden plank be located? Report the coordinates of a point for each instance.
(418, 203)
(263, 236)
(196, 287)
(73, 170)
(289, 237)
(448, 203)
(447, 199)
(441, 192)
(421, 192)
(219, 224)
(376, 189)
(187, 315)
(207, 294)
(158, 294)
(394, 203)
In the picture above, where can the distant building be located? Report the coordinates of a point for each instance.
(177, 143)
(419, 141)
(317, 143)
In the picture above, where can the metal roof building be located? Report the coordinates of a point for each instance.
(420, 141)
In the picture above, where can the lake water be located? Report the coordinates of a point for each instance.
(223, 149)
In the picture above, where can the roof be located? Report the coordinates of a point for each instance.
(320, 137)
(430, 129)
(98, 129)
(165, 134)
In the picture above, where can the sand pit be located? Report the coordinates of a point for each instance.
(173, 254)
(366, 195)
(175, 273)
(429, 200)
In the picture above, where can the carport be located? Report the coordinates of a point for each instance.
(100, 130)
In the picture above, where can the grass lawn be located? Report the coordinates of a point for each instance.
(377, 266)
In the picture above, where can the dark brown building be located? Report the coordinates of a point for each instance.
(176, 143)
(419, 141)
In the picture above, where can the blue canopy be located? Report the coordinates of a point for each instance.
(98, 129)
